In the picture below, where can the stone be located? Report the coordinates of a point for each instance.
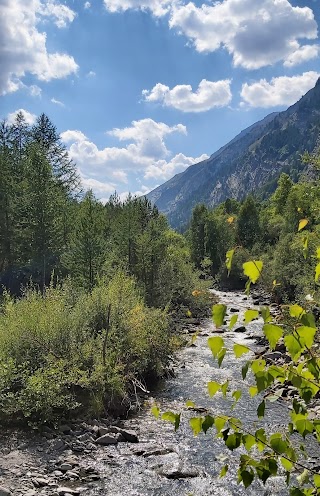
(40, 482)
(240, 329)
(68, 490)
(128, 435)
(5, 492)
(65, 429)
(64, 467)
(106, 440)
(103, 431)
(233, 310)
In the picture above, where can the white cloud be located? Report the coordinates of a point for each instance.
(146, 153)
(279, 91)
(91, 74)
(34, 90)
(57, 102)
(165, 170)
(72, 135)
(98, 187)
(23, 47)
(87, 5)
(256, 33)
(158, 7)
(303, 54)
(208, 95)
(62, 14)
(29, 118)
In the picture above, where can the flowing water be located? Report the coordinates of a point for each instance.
(132, 469)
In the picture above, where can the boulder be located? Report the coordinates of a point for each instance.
(106, 439)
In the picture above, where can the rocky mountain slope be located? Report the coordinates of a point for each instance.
(252, 161)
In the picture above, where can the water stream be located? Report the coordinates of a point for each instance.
(132, 469)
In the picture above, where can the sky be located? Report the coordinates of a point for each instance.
(141, 89)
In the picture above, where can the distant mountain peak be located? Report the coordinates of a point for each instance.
(251, 161)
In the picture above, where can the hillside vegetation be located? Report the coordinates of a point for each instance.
(89, 291)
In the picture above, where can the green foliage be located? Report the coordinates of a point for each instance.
(52, 346)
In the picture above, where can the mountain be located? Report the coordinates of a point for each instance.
(252, 161)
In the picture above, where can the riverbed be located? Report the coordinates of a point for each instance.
(133, 469)
(163, 462)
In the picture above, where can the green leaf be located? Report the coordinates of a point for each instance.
(248, 441)
(174, 418)
(278, 444)
(306, 335)
(304, 477)
(287, 464)
(215, 344)
(237, 395)
(229, 257)
(240, 350)
(155, 411)
(224, 388)
(261, 409)
(218, 314)
(246, 477)
(224, 470)
(196, 424)
(316, 480)
(213, 388)
(233, 321)
(244, 370)
(253, 270)
(253, 390)
(250, 315)
(221, 355)
(308, 320)
(207, 423)
(296, 311)
(273, 333)
(317, 270)
(265, 314)
(302, 424)
(233, 441)
(293, 346)
(219, 423)
(190, 404)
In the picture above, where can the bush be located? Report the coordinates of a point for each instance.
(52, 360)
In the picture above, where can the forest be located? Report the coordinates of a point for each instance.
(90, 292)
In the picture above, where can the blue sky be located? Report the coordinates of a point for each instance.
(141, 89)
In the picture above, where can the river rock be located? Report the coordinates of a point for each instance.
(177, 471)
(233, 310)
(106, 440)
(240, 329)
(68, 490)
(103, 431)
(64, 467)
(128, 435)
(5, 492)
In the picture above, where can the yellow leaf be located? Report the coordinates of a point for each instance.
(302, 224)
(253, 270)
(230, 220)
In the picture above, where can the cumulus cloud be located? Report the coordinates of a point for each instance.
(98, 187)
(61, 14)
(158, 8)
(23, 47)
(283, 90)
(87, 5)
(256, 33)
(146, 154)
(303, 54)
(208, 95)
(91, 74)
(29, 118)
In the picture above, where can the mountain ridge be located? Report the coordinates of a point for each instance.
(256, 156)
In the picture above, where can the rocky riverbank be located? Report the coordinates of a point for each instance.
(142, 456)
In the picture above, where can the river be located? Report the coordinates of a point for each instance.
(132, 469)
